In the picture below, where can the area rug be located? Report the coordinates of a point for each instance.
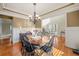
(54, 52)
(57, 52)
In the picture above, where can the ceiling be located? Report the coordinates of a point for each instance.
(27, 8)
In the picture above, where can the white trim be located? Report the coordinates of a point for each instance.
(8, 9)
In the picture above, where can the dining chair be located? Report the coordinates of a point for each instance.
(48, 46)
(27, 47)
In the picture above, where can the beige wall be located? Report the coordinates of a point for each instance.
(18, 22)
(38, 24)
(25, 23)
(73, 19)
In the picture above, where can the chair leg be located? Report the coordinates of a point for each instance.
(23, 52)
(29, 54)
(32, 53)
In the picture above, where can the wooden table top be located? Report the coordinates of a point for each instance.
(39, 40)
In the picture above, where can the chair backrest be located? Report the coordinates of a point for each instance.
(50, 43)
(28, 33)
(21, 36)
(48, 46)
(25, 37)
(27, 45)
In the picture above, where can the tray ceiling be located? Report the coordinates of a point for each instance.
(27, 8)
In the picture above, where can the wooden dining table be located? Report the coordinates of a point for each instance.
(38, 40)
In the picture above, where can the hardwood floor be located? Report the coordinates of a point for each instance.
(7, 49)
(61, 46)
(14, 50)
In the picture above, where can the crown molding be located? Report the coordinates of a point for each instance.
(8, 9)
(57, 9)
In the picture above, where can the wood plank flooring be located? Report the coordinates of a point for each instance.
(14, 50)
(61, 46)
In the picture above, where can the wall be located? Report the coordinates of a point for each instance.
(72, 30)
(72, 37)
(73, 19)
(18, 26)
(18, 22)
(59, 20)
(38, 24)
(0, 26)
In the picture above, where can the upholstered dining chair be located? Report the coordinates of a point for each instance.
(48, 46)
(27, 47)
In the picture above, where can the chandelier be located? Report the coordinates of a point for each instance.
(34, 18)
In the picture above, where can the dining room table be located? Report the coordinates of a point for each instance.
(40, 41)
